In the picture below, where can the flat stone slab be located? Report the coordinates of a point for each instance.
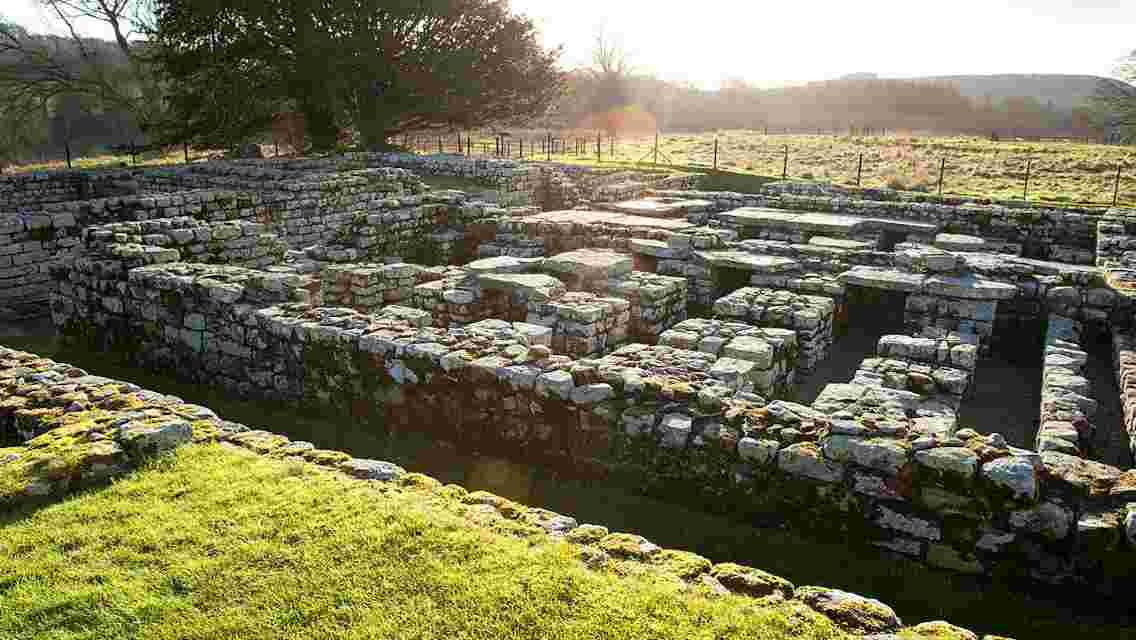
(658, 249)
(841, 243)
(969, 287)
(965, 243)
(540, 283)
(590, 264)
(749, 261)
(659, 207)
(836, 224)
(610, 218)
(888, 279)
(505, 264)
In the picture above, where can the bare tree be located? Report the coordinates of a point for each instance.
(609, 55)
(36, 71)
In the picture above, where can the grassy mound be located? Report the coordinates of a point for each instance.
(213, 542)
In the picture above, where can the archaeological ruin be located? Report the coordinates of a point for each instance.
(811, 350)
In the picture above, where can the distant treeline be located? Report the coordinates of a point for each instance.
(591, 100)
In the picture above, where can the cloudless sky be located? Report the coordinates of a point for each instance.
(771, 42)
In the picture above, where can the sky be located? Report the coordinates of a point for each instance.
(770, 42)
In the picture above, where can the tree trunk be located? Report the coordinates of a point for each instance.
(374, 122)
(320, 123)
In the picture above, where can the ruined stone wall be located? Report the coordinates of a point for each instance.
(1067, 404)
(108, 428)
(36, 241)
(857, 460)
(1124, 354)
(433, 229)
(185, 239)
(1063, 235)
(47, 187)
(810, 317)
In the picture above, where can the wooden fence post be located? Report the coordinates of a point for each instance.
(942, 171)
(1116, 186)
(860, 169)
(715, 153)
(785, 166)
(1025, 189)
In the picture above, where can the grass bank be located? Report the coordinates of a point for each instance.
(213, 542)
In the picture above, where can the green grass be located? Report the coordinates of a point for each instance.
(1061, 172)
(217, 543)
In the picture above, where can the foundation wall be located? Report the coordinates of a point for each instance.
(964, 502)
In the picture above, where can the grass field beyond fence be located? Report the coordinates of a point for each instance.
(1062, 172)
(1059, 172)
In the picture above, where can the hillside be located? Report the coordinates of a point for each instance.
(1065, 91)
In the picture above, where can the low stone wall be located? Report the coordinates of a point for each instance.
(1059, 234)
(866, 458)
(766, 358)
(368, 287)
(548, 185)
(184, 239)
(34, 242)
(434, 229)
(46, 187)
(809, 316)
(1067, 404)
(107, 428)
(1124, 353)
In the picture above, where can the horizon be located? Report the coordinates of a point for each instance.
(1097, 33)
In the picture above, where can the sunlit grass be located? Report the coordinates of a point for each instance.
(217, 543)
(1060, 172)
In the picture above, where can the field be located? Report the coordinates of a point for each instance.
(1060, 172)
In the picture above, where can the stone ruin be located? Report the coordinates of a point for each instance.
(614, 318)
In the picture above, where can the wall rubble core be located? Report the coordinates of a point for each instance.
(661, 332)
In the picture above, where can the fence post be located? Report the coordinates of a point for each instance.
(715, 153)
(599, 147)
(67, 150)
(785, 167)
(860, 169)
(942, 170)
(1116, 187)
(185, 150)
(548, 147)
(656, 160)
(133, 154)
(440, 149)
(1025, 189)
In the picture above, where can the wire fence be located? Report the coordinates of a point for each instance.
(1058, 171)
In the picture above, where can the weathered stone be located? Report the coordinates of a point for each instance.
(851, 612)
(957, 463)
(750, 581)
(147, 438)
(758, 452)
(371, 469)
(1015, 476)
(805, 460)
(881, 454)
